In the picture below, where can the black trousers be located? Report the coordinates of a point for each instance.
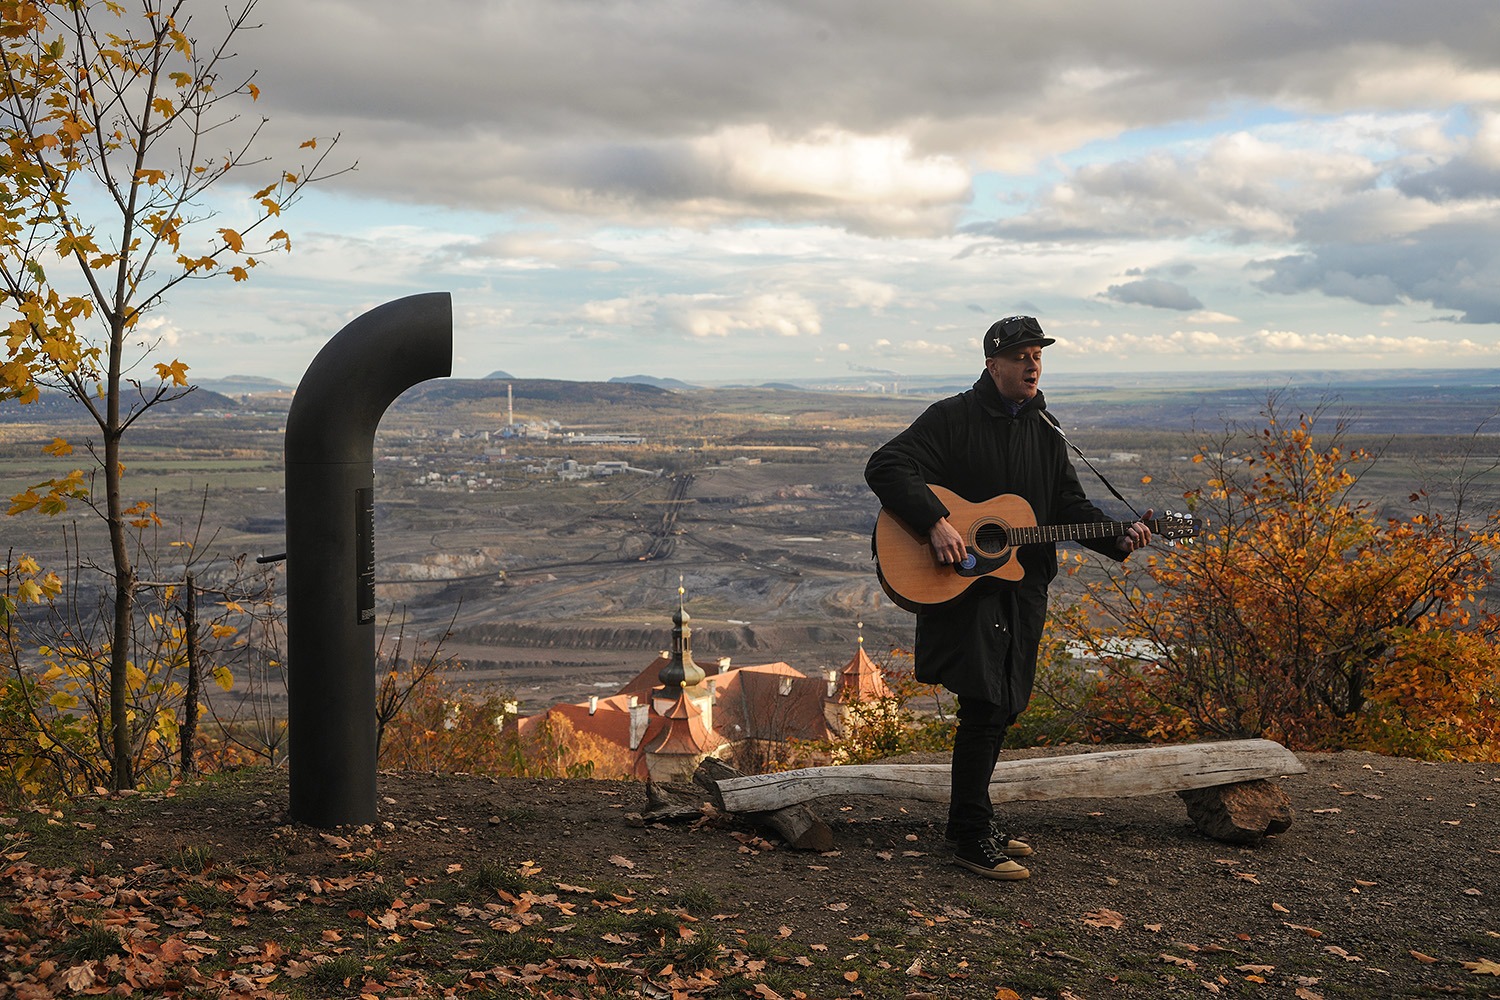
(976, 747)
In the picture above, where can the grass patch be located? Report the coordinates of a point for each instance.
(374, 898)
(194, 858)
(697, 897)
(516, 815)
(204, 896)
(337, 974)
(91, 944)
(701, 952)
(520, 948)
(491, 877)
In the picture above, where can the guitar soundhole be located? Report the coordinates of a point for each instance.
(991, 538)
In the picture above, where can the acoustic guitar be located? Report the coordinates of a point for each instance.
(992, 531)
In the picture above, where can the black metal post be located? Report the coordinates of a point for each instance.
(330, 536)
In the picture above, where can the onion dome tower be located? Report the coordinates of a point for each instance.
(680, 672)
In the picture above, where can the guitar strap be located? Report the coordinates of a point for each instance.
(1058, 427)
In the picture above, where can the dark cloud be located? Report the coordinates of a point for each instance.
(1460, 179)
(1452, 267)
(584, 105)
(1156, 293)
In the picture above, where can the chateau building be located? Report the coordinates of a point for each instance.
(676, 712)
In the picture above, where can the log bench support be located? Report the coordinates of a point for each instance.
(1226, 785)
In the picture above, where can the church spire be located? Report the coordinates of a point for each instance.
(861, 680)
(680, 671)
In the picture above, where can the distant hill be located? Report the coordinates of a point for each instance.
(241, 385)
(660, 383)
(500, 375)
(60, 407)
(542, 389)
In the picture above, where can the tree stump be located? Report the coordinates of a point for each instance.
(1245, 812)
(669, 801)
(796, 824)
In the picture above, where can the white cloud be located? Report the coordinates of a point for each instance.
(1277, 348)
(707, 315)
(784, 315)
(867, 294)
(157, 329)
(1239, 185)
(1286, 341)
(928, 349)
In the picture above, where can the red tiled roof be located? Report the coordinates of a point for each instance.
(765, 701)
(752, 705)
(682, 732)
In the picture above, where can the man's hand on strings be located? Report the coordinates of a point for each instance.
(948, 547)
(1138, 535)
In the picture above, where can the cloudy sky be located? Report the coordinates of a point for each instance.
(750, 189)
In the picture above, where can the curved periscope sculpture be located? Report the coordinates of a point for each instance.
(330, 537)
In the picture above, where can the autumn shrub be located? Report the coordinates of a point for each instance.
(57, 695)
(915, 718)
(1436, 698)
(444, 726)
(1302, 614)
(1060, 699)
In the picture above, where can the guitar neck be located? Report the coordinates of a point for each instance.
(1073, 532)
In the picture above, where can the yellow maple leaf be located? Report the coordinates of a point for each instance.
(176, 372)
(1483, 967)
(232, 239)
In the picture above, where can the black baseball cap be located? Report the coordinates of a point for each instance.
(1012, 332)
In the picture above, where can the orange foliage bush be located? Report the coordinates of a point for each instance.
(445, 728)
(1301, 614)
(1437, 698)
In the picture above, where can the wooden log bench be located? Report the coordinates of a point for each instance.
(1225, 785)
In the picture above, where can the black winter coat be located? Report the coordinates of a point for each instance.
(984, 644)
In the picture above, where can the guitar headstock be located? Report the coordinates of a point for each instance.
(1172, 526)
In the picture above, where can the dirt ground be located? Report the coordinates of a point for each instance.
(1385, 886)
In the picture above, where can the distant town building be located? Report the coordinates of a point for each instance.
(577, 437)
(676, 712)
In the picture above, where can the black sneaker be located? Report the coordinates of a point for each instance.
(1009, 846)
(1005, 844)
(985, 857)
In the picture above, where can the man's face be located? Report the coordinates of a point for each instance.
(1016, 372)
